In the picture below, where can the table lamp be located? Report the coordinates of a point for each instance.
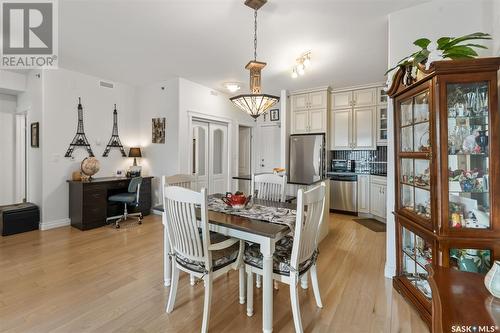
(135, 152)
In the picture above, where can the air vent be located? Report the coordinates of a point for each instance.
(105, 84)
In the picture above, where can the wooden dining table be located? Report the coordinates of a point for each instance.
(264, 233)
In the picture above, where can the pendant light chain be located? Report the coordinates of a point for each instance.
(255, 37)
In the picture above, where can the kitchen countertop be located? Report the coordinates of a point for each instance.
(307, 183)
(329, 173)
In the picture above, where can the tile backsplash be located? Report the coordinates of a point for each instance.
(367, 161)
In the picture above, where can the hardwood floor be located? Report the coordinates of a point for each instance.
(107, 280)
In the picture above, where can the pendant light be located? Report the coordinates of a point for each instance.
(255, 103)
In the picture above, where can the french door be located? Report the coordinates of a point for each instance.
(209, 155)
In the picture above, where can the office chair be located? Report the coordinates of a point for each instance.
(128, 198)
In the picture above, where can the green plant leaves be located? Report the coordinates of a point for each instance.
(422, 42)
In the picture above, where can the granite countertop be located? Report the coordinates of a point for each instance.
(306, 182)
(329, 173)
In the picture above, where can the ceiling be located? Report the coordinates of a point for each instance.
(210, 41)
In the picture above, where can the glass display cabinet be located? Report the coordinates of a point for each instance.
(447, 164)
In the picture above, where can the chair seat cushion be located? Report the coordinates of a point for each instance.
(281, 257)
(220, 258)
(123, 197)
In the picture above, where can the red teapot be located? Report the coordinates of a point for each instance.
(237, 200)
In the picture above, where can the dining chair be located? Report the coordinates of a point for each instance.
(181, 180)
(269, 186)
(197, 251)
(294, 256)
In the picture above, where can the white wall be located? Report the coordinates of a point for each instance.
(496, 27)
(159, 100)
(8, 105)
(442, 18)
(205, 102)
(12, 82)
(61, 89)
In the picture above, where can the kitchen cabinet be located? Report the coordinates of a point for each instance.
(342, 100)
(353, 129)
(382, 125)
(354, 98)
(378, 196)
(364, 194)
(309, 112)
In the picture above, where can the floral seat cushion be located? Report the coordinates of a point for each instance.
(220, 258)
(281, 258)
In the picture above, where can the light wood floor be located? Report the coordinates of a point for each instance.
(107, 280)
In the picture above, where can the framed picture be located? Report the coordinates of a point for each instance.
(158, 130)
(35, 135)
(274, 114)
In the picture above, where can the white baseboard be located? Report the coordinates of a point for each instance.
(389, 271)
(55, 224)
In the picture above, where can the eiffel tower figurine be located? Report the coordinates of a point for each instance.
(80, 140)
(114, 142)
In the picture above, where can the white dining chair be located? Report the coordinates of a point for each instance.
(181, 180)
(197, 251)
(269, 186)
(294, 256)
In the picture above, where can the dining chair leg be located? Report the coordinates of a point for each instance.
(173, 287)
(315, 285)
(192, 279)
(258, 280)
(294, 300)
(276, 285)
(303, 281)
(167, 279)
(207, 302)
(249, 293)
(242, 285)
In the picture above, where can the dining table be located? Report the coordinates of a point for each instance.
(264, 233)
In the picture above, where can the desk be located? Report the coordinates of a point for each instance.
(88, 201)
(266, 234)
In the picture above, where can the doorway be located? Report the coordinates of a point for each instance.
(269, 152)
(209, 155)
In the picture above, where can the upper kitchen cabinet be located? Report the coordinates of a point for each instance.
(309, 112)
(342, 100)
(364, 97)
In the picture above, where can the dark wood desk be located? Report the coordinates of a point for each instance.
(460, 299)
(88, 201)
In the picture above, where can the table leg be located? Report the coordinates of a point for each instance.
(167, 265)
(267, 250)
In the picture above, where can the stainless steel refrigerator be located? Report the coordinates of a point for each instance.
(307, 158)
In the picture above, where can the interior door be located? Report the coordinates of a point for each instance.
(200, 154)
(217, 170)
(268, 148)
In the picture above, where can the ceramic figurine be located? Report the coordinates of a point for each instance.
(482, 141)
(492, 279)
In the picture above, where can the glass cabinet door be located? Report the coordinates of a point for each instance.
(414, 152)
(416, 254)
(468, 156)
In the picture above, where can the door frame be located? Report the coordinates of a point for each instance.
(202, 117)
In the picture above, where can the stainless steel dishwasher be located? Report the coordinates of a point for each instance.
(344, 193)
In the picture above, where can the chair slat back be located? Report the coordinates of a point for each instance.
(180, 213)
(310, 208)
(269, 186)
(181, 180)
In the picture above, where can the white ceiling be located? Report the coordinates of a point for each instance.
(210, 41)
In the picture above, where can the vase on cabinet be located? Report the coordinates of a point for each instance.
(492, 279)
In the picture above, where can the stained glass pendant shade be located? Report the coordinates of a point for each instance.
(255, 103)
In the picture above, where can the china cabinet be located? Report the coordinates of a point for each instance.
(447, 139)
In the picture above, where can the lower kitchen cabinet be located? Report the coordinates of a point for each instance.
(364, 194)
(378, 196)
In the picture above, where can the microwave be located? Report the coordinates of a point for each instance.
(343, 165)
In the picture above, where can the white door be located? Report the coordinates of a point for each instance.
(364, 128)
(300, 102)
(318, 100)
(244, 157)
(317, 119)
(300, 122)
(268, 148)
(340, 129)
(217, 175)
(200, 154)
